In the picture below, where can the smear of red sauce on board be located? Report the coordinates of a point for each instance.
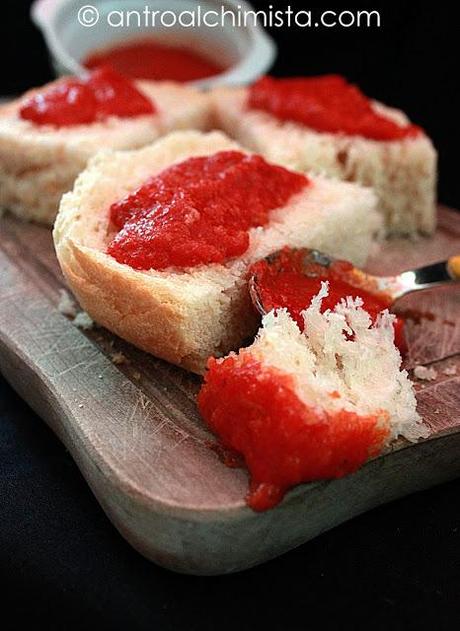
(327, 104)
(282, 283)
(75, 101)
(199, 211)
(147, 59)
(255, 411)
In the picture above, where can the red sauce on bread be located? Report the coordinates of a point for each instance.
(74, 101)
(147, 59)
(282, 283)
(199, 211)
(326, 104)
(256, 412)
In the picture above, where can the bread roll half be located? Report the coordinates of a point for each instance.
(38, 164)
(403, 173)
(187, 315)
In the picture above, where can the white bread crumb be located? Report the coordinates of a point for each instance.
(424, 373)
(83, 321)
(66, 304)
(450, 371)
(68, 307)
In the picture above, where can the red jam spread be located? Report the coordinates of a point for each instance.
(75, 101)
(199, 211)
(327, 104)
(147, 59)
(283, 284)
(255, 411)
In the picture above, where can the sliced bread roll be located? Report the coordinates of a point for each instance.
(187, 315)
(39, 163)
(314, 405)
(402, 172)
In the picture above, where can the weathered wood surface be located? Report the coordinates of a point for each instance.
(135, 433)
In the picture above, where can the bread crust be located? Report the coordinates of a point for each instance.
(39, 164)
(403, 173)
(186, 316)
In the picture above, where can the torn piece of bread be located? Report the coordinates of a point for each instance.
(403, 172)
(186, 315)
(314, 405)
(38, 164)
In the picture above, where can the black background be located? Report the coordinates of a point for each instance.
(62, 565)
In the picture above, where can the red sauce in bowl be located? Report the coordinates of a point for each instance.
(199, 211)
(283, 284)
(147, 59)
(74, 101)
(326, 104)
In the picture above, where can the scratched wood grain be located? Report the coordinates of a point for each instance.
(134, 431)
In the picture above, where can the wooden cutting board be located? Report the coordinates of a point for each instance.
(135, 433)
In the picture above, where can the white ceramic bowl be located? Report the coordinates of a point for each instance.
(246, 52)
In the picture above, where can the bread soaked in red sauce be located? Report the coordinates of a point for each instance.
(326, 104)
(73, 101)
(199, 211)
(282, 283)
(255, 411)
